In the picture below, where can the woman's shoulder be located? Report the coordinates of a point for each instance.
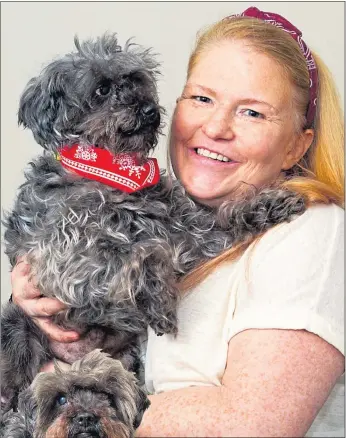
(319, 214)
(293, 277)
(315, 237)
(324, 212)
(317, 224)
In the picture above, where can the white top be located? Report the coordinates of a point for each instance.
(292, 279)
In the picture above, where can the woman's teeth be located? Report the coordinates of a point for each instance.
(213, 155)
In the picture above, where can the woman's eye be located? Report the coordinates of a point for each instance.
(103, 90)
(203, 99)
(252, 113)
(62, 400)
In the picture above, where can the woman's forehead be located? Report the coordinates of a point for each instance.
(236, 67)
(234, 57)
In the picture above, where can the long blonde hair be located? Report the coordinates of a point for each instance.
(319, 175)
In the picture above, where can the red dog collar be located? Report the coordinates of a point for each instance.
(121, 171)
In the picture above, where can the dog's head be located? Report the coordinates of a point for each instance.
(101, 94)
(96, 398)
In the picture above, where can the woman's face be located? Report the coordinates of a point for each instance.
(234, 124)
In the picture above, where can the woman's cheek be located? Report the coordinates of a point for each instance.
(188, 119)
(180, 125)
(254, 146)
(176, 150)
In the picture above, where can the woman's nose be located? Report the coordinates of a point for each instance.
(218, 125)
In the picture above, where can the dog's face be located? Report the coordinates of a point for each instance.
(81, 413)
(97, 398)
(101, 95)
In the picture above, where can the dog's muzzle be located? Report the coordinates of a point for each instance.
(86, 425)
(150, 114)
(148, 120)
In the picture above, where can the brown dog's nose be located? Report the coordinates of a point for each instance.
(86, 419)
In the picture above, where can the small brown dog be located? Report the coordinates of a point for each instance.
(95, 398)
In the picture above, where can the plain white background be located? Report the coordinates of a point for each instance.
(33, 33)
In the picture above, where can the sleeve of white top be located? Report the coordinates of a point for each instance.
(294, 278)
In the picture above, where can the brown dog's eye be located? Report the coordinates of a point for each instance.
(103, 90)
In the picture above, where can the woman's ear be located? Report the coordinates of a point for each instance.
(298, 148)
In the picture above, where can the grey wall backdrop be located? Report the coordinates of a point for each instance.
(33, 33)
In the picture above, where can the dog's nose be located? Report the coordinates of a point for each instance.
(148, 109)
(150, 112)
(86, 419)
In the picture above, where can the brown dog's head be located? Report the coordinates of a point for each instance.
(96, 398)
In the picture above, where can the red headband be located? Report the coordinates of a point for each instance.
(281, 22)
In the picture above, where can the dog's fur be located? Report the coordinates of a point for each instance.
(113, 258)
(97, 397)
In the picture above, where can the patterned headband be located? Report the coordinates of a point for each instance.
(279, 21)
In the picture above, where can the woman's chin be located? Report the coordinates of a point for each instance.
(207, 181)
(204, 193)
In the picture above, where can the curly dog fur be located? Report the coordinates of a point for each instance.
(113, 258)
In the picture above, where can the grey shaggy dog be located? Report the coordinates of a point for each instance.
(96, 398)
(113, 258)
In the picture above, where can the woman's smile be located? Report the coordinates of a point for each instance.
(206, 157)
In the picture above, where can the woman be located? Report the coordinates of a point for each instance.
(260, 343)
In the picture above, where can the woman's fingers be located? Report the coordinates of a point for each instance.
(42, 307)
(22, 287)
(28, 298)
(54, 332)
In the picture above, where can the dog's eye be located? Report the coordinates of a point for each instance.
(61, 400)
(103, 90)
(137, 78)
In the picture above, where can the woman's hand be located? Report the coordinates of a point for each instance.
(40, 309)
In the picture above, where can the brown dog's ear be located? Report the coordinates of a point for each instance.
(142, 404)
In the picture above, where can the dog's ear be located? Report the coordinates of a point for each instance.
(27, 403)
(142, 404)
(40, 107)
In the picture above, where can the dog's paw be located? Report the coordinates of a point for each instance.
(165, 326)
(281, 206)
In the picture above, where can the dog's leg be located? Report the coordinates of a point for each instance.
(148, 279)
(209, 232)
(261, 212)
(24, 349)
(20, 424)
(14, 425)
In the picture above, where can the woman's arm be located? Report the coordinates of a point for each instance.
(274, 384)
(26, 296)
